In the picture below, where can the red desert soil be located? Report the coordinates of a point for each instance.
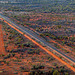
(2, 49)
(72, 68)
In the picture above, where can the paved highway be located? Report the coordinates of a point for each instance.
(36, 37)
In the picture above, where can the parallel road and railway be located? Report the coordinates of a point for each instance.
(31, 36)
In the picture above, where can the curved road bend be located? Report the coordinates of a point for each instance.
(36, 37)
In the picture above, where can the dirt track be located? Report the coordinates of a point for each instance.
(69, 66)
(2, 49)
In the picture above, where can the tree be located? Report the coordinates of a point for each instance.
(56, 72)
(7, 62)
(59, 26)
(66, 74)
(13, 54)
(28, 18)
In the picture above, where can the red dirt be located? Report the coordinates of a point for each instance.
(2, 49)
(69, 66)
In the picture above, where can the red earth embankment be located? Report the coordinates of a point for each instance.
(2, 49)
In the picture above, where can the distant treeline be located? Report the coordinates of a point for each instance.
(58, 6)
